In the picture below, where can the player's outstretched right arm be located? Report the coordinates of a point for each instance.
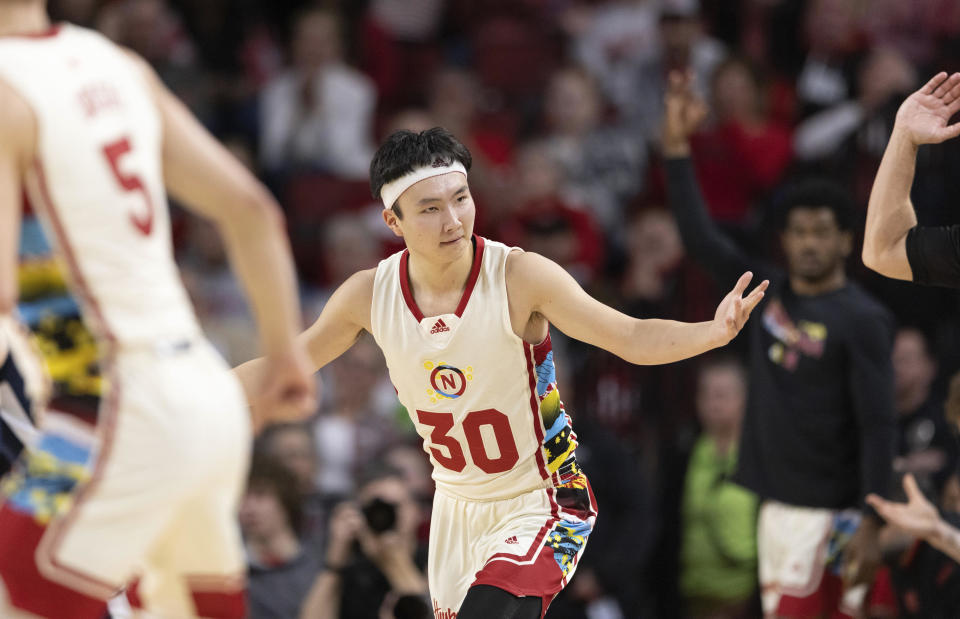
(201, 174)
(343, 318)
(921, 119)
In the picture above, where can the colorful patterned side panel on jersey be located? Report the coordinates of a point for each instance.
(42, 485)
(560, 441)
(39, 488)
(568, 536)
(567, 539)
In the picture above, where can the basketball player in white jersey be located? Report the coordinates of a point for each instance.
(90, 136)
(463, 324)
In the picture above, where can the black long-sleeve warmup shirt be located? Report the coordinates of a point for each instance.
(819, 428)
(934, 255)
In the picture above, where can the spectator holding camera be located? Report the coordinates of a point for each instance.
(374, 566)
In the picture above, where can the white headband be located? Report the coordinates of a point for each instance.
(395, 188)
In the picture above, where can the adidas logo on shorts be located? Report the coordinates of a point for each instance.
(439, 327)
(511, 540)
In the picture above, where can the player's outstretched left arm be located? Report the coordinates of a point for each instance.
(919, 518)
(540, 285)
(922, 119)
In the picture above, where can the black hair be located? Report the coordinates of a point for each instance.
(376, 471)
(404, 151)
(815, 193)
(268, 475)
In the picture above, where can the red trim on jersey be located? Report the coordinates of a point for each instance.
(26, 587)
(535, 409)
(220, 604)
(107, 418)
(541, 350)
(405, 286)
(826, 600)
(471, 280)
(538, 540)
(83, 291)
(474, 274)
(540, 575)
(53, 538)
(52, 31)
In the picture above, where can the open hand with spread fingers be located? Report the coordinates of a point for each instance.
(917, 516)
(734, 310)
(924, 115)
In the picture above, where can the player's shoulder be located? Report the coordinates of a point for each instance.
(524, 265)
(358, 288)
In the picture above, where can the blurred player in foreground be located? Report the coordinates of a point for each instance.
(463, 324)
(895, 246)
(90, 136)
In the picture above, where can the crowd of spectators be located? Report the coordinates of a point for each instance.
(560, 103)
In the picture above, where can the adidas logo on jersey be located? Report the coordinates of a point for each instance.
(439, 327)
(511, 540)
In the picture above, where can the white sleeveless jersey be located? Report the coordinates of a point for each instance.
(484, 401)
(97, 182)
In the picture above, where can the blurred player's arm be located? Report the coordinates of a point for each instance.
(871, 387)
(538, 285)
(17, 142)
(702, 239)
(919, 518)
(893, 245)
(343, 318)
(201, 174)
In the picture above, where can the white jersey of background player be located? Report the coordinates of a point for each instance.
(91, 137)
(463, 323)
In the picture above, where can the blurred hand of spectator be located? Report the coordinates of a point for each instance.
(685, 111)
(345, 526)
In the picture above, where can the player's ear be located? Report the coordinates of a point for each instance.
(393, 222)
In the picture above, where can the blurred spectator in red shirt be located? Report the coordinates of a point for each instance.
(742, 154)
(545, 221)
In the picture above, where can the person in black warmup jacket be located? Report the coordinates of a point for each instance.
(819, 431)
(895, 246)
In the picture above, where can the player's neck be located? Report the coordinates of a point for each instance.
(437, 279)
(18, 18)
(834, 281)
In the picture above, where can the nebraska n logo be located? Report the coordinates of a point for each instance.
(439, 327)
(447, 382)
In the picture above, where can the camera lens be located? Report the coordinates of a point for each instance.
(381, 515)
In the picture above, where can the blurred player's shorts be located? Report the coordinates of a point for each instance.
(801, 556)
